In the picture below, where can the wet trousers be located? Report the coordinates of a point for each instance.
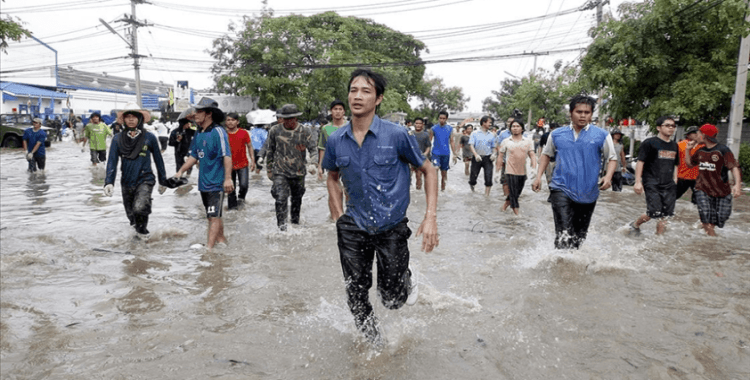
(137, 202)
(486, 166)
(682, 187)
(179, 160)
(282, 188)
(571, 220)
(242, 176)
(37, 161)
(515, 187)
(357, 250)
(617, 181)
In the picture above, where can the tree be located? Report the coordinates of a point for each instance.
(546, 94)
(11, 30)
(307, 60)
(435, 97)
(668, 57)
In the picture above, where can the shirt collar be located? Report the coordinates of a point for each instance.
(375, 127)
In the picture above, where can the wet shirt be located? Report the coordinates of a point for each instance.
(325, 131)
(714, 165)
(483, 142)
(210, 147)
(515, 153)
(285, 150)
(442, 139)
(683, 171)
(376, 175)
(238, 142)
(465, 149)
(97, 135)
(659, 159)
(137, 171)
(258, 137)
(423, 140)
(32, 137)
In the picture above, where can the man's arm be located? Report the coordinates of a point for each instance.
(623, 160)
(189, 164)
(638, 187)
(159, 161)
(428, 228)
(335, 195)
(251, 155)
(543, 163)
(532, 156)
(737, 188)
(228, 185)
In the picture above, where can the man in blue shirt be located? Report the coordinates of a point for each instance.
(135, 146)
(211, 148)
(372, 156)
(33, 145)
(482, 143)
(258, 136)
(442, 135)
(579, 150)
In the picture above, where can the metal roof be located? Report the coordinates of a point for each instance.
(83, 80)
(18, 89)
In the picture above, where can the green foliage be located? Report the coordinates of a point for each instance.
(307, 60)
(744, 160)
(243, 122)
(435, 96)
(626, 146)
(668, 57)
(546, 94)
(11, 30)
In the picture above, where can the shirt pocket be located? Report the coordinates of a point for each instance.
(342, 162)
(384, 168)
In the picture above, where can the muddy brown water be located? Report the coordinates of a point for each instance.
(81, 299)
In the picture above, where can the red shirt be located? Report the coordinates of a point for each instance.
(714, 165)
(683, 171)
(238, 141)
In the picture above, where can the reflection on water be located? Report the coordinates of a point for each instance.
(80, 295)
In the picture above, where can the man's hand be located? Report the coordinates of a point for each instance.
(320, 173)
(109, 190)
(606, 184)
(638, 188)
(691, 144)
(477, 158)
(536, 185)
(428, 230)
(736, 190)
(228, 185)
(493, 156)
(29, 156)
(312, 168)
(455, 159)
(162, 189)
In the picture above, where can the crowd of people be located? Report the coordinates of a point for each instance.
(369, 162)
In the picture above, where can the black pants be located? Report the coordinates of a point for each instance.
(37, 161)
(179, 160)
(256, 153)
(515, 187)
(617, 181)
(241, 175)
(282, 188)
(137, 202)
(357, 250)
(485, 165)
(683, 185)
(571, 220)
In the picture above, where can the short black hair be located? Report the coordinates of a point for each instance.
(662, 119)
(553, 125)
(443, 112)
(519, 121)
(377, 80)
(485, 118)
(419, 118)
(337, 103)
(582, 99)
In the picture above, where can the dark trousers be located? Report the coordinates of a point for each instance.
(39, 161)
(256, 153)
(179, 160)
(617, 181)
(137, 202)
(241, 175)
(515, 187)
(357, 250)
(282, 188)
(571, 220)
(682, 187)
(485, 165)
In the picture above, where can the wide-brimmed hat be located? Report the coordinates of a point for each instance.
(208, 104)
(288, 111)
(36, 120)
(133, 109)
(691, 130)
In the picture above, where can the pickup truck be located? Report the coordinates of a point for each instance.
(12, 127)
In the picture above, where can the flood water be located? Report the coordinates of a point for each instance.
(82, 299)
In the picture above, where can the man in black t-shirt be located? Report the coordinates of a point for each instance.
(656, 174)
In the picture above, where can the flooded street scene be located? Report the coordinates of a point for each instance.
(82, 298)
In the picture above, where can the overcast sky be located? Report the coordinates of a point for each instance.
(183, 30)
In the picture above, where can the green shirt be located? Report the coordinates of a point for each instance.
(97, 135)
(326, 131)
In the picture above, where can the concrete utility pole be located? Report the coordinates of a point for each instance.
(738, 100)
(529, 125)
(133, 45)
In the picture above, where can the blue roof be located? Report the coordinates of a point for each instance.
(19, 89)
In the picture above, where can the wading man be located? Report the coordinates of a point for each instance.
(513, 152)
(442, 135)
(372, 156)
(96, 133)
(482, 144)
(33, 145)
(338, 120)
(424, 143)
(242, 162)
(580, 150)
(211, 148)
(286, 163)
(135, 147)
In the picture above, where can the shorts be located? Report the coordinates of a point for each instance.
(441, 161)
(213, 201)
(660, 200)
(98, 156)
(713, 210)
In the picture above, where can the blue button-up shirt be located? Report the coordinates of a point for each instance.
(376, 175)
(483, 142)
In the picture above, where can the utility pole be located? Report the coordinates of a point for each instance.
(598, 4)
(738, 100)
(531, 78)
